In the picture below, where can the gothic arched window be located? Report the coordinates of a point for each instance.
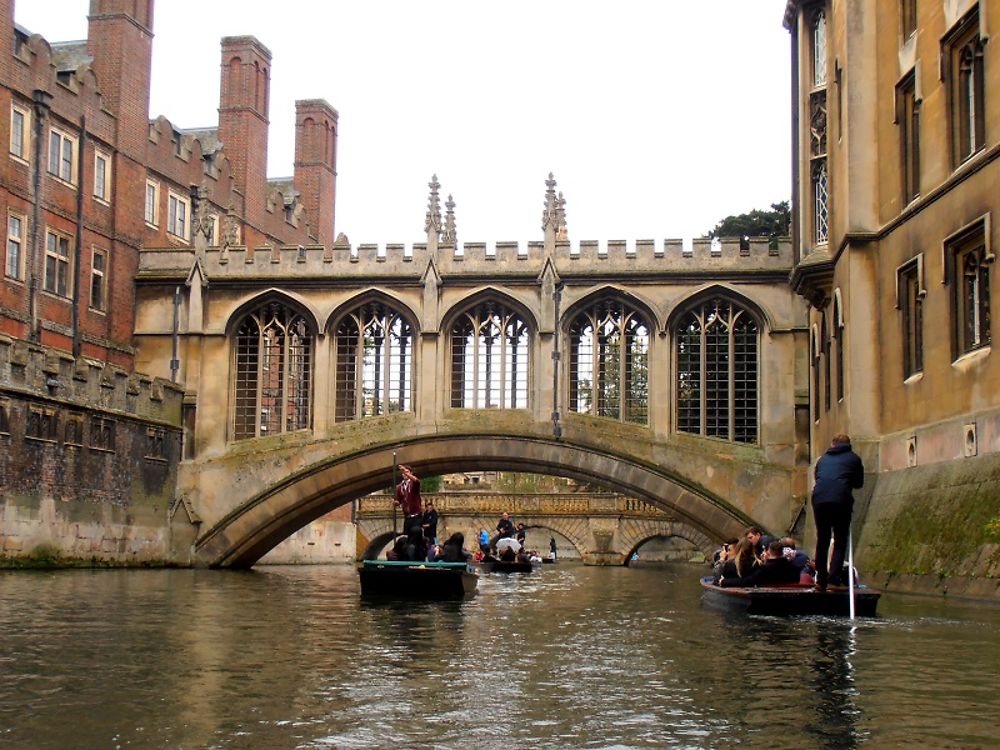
(374, 363)
(273, 366)
(609, 362)
(489, 358)
(717, 388)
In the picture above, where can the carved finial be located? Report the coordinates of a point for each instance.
(432, 225)
(562, 231)
(450, 236)
(549, 215)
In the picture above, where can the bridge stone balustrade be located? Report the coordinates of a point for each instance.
(604, 529)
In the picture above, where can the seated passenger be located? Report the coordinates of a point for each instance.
(416, 545)
(508, 555)
(775, 570)
(741, 561)
(398, 551)
(453, 549)
(795, 556)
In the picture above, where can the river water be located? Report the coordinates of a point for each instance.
(568, 657)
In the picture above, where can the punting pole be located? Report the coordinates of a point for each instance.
(850, 572)
(394, 496)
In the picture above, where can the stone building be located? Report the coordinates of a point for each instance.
(896, 188)
(89, 180)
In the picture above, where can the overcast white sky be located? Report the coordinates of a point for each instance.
(657, 117)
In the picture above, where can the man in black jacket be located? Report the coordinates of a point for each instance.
(776, 569)
(839, 471)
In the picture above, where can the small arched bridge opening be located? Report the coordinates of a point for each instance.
(600, 528)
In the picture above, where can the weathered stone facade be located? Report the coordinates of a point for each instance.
(896, 200)
(88, 460)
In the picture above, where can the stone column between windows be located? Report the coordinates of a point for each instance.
(324, 385)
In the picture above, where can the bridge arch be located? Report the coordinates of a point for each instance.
(260, 522)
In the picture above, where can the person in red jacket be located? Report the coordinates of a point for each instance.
(408, 498)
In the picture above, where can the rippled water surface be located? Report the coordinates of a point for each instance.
(568, 657)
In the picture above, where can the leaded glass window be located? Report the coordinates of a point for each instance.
(374, 363)
(273, 372)
(911, 297)
(609, 363)
(817, 156)
(489, 358)
(717, 371)
(971, 268)
(963, 54)
(819, 49)
(821, 206)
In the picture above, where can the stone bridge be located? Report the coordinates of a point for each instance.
(665, 373)
(603, 529)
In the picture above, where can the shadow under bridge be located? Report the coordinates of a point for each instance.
(259, 523)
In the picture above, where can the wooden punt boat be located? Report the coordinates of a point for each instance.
(507, 566)
(417, 580)
(792, 599)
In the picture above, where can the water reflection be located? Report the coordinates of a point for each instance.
(836, 718)
(572, 657)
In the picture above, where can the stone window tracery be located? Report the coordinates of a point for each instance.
(489, 358)
(273, 372)
(970, 274)
(819, 48)
(910, 297)
(963, 55)
(374, 356)
(609, 362)
(818, 165)
(717, 346)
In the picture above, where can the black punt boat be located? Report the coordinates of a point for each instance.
(792, 599)
(508, 566)
(417, 580)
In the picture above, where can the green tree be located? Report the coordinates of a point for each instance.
(430, 484)
(757, 223)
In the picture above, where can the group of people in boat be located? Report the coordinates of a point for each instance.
(760, 560)
(419, 542)
(757, 559)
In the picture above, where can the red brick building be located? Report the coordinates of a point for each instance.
(89, 179)
(89, 449)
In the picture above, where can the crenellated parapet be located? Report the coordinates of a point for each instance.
(37, 373)
(343, 260)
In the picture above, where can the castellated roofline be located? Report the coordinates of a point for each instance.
(489, 258)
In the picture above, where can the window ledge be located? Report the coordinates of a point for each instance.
(971, 359)
(61, 181)
(61, 297)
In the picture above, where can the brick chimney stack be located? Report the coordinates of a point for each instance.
(316, 165)
(243, 108)
(120, 40)
(6, 38)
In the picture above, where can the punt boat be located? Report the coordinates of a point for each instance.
(789, 599)
(417, 580)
